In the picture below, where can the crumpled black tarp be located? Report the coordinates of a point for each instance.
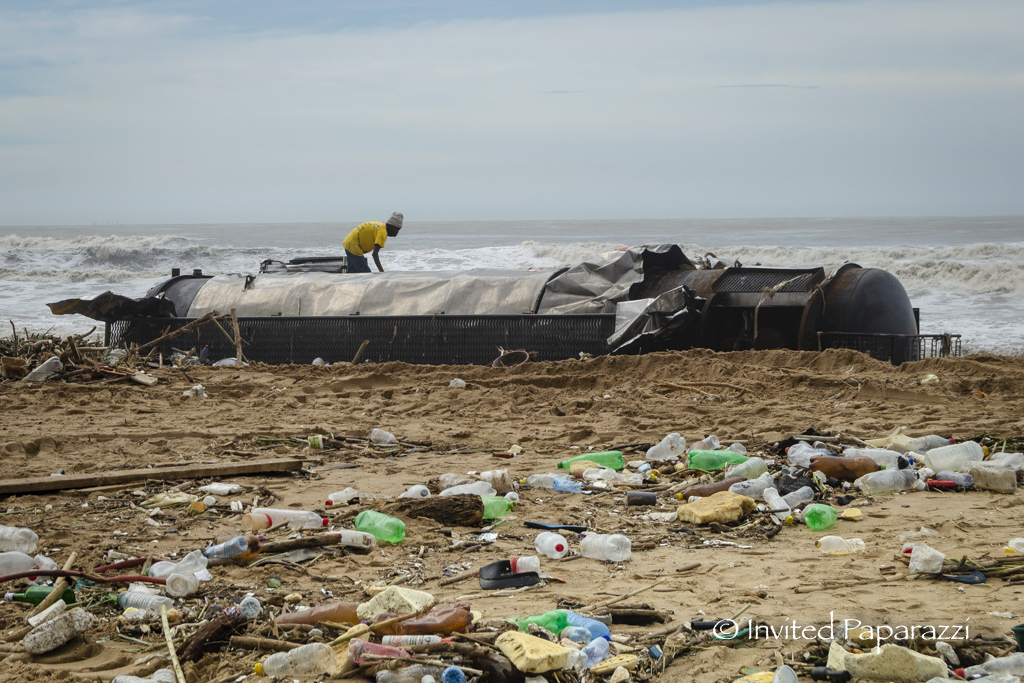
(108, 307)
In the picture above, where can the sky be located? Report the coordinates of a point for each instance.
(269, 111)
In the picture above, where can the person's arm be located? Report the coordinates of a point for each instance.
(376, 257)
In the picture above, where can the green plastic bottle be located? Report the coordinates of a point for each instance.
(714, 460)
(610, 459)
(36, 594)
(819, 516)
(555, 621)
(495, 507)
(380, 526)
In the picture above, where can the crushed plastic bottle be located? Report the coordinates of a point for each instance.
(159, 676)
(738, 448)
(801, 452)
(954, 457)
(596, 651)
(890, 460)
(307, 660)
(597, 629)
(18, 539)
(417, 491)
(610, 459)
(1010, 664)
(382, 527)
(381, 437)
(417, 673)
(1013, 461)
(923, 444)
(837, 545)
(671, 447)
(343, 496)
(193, 563)
(220, 489)
(359, 649)
(606, 474)
(885, 482)
(552, 545)
(181, 585)
(16, 562)
(265, 518)
(554, 621)
(577, 634)
(48, 367)
(477, 488)
(753, 488)
(564, 485)
(753, 468)
(608, 547)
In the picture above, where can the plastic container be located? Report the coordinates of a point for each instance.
(753, 488)
(417, 491)
(671, 447)
(16, 562)
(477, 488)
(801, 452)
(417, 673)
(925, 560)
(54, 633)
(250, 608)
(264, 518)
(738, 448)
(1014, 461)
(710, 461)
(954, 457)
(528, 563)
(753, 468)
(610, 475)
(837, 545)
(307, 660)
(239, 545)
(451, 618)
(18, 539)
(819, 516)
(193, 563)
(959, 478)
(552, 545)
(180, 585)
(159, 676)
(845, 469)
(36, 594)
(608, 547)
(785, 674)
(399, 641)
(145, 601)
(577, 634)
(48, 367)
(776, 503)
(563, 485)
(889, 481)
(554, 621)
(335, 612)
(610, 459)
(453, 674)
(923, 444)
(597, 629)
(342, 496)
(382, 527)
(708, 443)
(596, 651)
(704, 490)
(381, 437)
(544, 481)
(495, 507)
(992, 477)
(890, 460)
(499, 479)
(1010, 664)
(358, 649)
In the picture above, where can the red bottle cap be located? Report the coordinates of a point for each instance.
(326, 521)
(329, 502)
(960, 673)
(559, 547)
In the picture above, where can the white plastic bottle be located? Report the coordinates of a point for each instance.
(923, 444)
(753, 488)
(527, 563)
(670, 448)
(264, 518)
(551, 544)
(417, 491)
(417, 673)
(15, 562)
(343, 496)
(180, 585)
(544, 481)
(954, 457)
(753, 468)
(609, 547)
(837, 545)
(883, 458)
(477, 488)
(804, 494)
(399, 641)
(145, 601)
(608, 474)
(885, 482)
(1010, 664)
(18, 539)
(307, 660)
(381, 437)
(159, 676)
(782, 510)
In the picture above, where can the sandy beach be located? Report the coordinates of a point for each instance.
(552, 411)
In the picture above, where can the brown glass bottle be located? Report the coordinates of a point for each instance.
(442, 620)
(335, 612)
(704, 490)
(844, 469)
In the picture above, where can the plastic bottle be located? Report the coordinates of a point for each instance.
(477, 488)
(738, 448)
(785, 674)
(1010, 664)
(554, 621)
(819, 516)
(18, 539)
(801, 452)
(36, 594)
(250, 607)
(193, 563)
(564, 485)
(335, 612)
(704, 490)
(495, 507)
(381, 437)
(236, 546)
(837, 545)
(180, 585)
(610, 459)
(596, 651)
(528, 563)
(399, 641)
(159, 676)
(44, 370)
(358, 649)
(264, 518)
(923, 444)
(843, 468)
(598, 629)
(753, 488)
(307, 660)
(804, 494)
(670, 448)
(783, 512)
(713, 460)
(15, 562)
(417, 491)
(552, 545)
(753, 468)
(342, 496)
(146, 601)
(708, 443)
(954, 457)
(890, 460)
(544, 481)
(453, 674)
(442, 620)
(925, 560)
(959, 478)
(607, 474)
(417, 673)
(889, 481)
(609, 547)
(992, 477)
(383, 527)
(1014, 461)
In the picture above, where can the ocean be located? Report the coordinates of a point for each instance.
(965, 274)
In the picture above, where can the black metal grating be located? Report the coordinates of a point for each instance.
(895, 348)
(427, 340)
(746, 280)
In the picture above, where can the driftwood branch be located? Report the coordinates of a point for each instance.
(184, 329)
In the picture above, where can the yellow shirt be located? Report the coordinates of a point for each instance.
(363, 238)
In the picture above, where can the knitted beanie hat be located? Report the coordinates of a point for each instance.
(396, 220)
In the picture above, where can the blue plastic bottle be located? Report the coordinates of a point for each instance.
(567, 485)
(597, 629)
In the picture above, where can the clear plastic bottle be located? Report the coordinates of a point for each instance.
(753, 488)
(236, 546)
(417, 491)
(544, 481)
(342, 496)
(44, 370)
(307, 660)
(926, 560)
(552, 545)
(18, 539)
(955, 456)
(837, 545)
(159, 676)
(610, 459)
(801, 452)
(264, 518)
(598, 629)
(785, 674)
(577, 634)
(15, 562)
(738, 448)
(890, 460)
(382, 437)
(782, 510)
(804, 494)
(193, 563)
(753, 468)
(923, 444)
(382, 527)
(596, 651)
(145, 601)
(959, 478)
(417, 673)
(180, 585)
(605, 474)
(670, 448)
(528, 563)
(608, 547)
(1010, 664)
(889, 481)
(477, 488)
(564, 485)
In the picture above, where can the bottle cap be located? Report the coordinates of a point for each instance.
(328, 502)
(258, 667)
(9, 597)
(326, 521)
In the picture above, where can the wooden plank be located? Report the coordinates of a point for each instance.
(78, 481)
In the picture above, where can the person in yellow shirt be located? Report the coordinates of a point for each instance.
(369, 236)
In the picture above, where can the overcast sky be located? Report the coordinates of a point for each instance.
(260, 110)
